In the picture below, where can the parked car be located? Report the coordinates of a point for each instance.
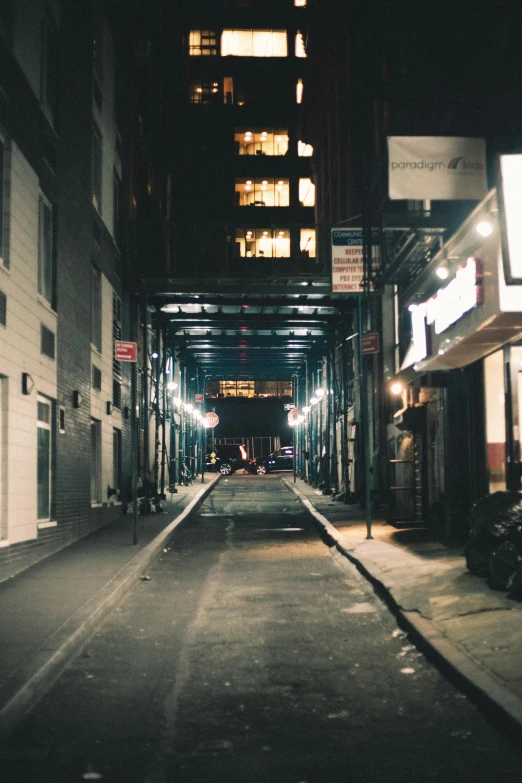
(229, 458)
(282, 459)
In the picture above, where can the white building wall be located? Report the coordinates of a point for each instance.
(20, 350)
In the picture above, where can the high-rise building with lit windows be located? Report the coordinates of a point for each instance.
(241, 186)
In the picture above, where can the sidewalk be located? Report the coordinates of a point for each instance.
(473, 633)
(48, 611)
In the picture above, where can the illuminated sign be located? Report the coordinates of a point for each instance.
(447, 307)
(511, 203)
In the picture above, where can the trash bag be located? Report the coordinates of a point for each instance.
(477, 556)
(515, 583)
(493, 516)
(503, 564)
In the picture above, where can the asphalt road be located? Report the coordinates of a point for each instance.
(253, 654)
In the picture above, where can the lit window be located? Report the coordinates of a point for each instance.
(204, 91)
(307, 242)
(304, 150)
(306, 192)
(262, 192)
(263, 242)
(300, 3)
(255, 141)
(254, 43)
(300, 50)
(202, 43)
(299, 91)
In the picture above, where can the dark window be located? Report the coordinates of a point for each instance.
(3, 309)
(48, 69)
(45, 250)
(47, 342)
(96, 377)
(96, 167)
(61, 419)
(116, 394)
(116, 459)
(2, 198)
(96, 308)
(116, 208)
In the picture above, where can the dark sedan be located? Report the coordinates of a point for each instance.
(282, 459)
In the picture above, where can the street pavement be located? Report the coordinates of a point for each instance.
(473, 633)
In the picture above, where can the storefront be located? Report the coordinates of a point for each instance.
(464, 372)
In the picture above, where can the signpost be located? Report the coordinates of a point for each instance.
(125, 351)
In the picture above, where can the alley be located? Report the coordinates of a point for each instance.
(249, 652)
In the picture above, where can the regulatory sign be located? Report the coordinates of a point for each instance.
(211, 419)
(125, 351)
(347, 259)
(370, 342)
(199, 398)
(293, 413)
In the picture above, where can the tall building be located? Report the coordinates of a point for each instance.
(63, 431)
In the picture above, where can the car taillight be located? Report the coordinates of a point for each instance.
(243, 452)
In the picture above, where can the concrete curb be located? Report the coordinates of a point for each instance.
(25, 688)
(465, 673)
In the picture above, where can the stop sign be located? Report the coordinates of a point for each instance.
(211, 419)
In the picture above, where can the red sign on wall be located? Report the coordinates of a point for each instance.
(199, 398)
(370, 342)
(125, 351)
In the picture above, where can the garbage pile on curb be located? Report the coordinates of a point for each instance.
(494, 545)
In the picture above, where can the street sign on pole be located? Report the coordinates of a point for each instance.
(125, 351)
(199, 398)
(211, 419)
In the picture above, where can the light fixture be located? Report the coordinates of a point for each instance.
(313, 400)
(188, 407)
(27, 383)
(171, 385)
(396, 387)
(306, 409)
(77, 399)
(319, 393)
(155, 355)
(442, 272)
(109, 407)
(484, 228)
(176, 401)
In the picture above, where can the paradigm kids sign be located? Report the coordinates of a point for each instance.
(347, 260)
(436, 168)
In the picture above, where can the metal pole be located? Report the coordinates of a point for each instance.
(363, 402)
(146, 401)
(134, 453)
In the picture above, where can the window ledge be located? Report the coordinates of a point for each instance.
(46, 304)
(49, 523)
(96, 505)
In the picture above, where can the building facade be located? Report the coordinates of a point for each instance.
(63, 397)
